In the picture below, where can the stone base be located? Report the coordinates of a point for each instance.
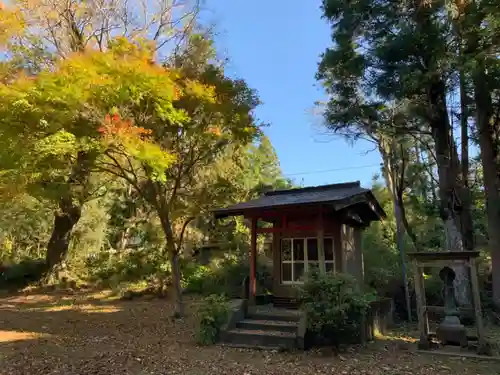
(452, 332)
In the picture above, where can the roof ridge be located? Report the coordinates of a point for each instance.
(342, 185)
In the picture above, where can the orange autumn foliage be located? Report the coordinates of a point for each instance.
(114, 125)
(215, 130)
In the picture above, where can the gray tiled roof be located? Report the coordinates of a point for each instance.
(316, 194)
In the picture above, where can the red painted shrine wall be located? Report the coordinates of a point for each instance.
(331, 226)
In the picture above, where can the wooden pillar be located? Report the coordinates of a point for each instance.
(354, 256)
(477, 307)
(423, 323)
(277, 258)
(338, 247)
(347, 263)
(320, 235)
(253, 261)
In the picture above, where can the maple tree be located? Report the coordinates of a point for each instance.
(35, 36)
(119, 113)
(53, 126)
(87, 96)
(214, 112)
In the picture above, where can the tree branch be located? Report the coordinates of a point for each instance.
(184, 226)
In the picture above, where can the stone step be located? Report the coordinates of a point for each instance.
(268, 325)
(286, 303)
(252, 347)
(259, 338)
(279, 317)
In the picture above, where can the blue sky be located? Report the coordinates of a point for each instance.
(275, 46)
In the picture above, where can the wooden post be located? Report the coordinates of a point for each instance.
(346, 235)
(424, 304)
(423, 324)
(338, 247)
(253, 261)
(358, 256)
(320, 235)
(477, 306)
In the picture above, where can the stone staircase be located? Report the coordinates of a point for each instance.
(265, 327)
(286, 303)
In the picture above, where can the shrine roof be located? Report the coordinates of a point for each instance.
(336, 195)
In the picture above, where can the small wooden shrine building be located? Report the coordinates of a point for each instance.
(317, 226)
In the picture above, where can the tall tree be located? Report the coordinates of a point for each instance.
(213, 112)
(391, 53)
(479, 45)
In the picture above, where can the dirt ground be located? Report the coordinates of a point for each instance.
(89, 333)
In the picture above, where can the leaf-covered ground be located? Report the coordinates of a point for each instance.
(90, 334)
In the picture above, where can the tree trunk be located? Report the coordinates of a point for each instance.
(468, 226)
(65, 220)
(486, 132)
(491, 187)
(69, 212)
(404, 219)
(453, 242)
(423, 177)
(433, 187)
(173, 255)
(125, 235)
(464, 130)
(452, 208)
(491, 168)
(429, 164)
(455, 212)
(176, 280)
(400, 244)
(392, 183)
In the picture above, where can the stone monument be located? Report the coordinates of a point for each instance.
(450, 331)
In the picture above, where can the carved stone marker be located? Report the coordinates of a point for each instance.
(451, 331)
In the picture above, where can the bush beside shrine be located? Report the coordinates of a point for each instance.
(337, 310)
(212, 314)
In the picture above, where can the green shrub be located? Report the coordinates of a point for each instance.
(23, 273)
(221, 277)
(212, 314)
(335, 307)
(194, 277)
(131, 265)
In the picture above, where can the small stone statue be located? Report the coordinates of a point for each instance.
(451, 331)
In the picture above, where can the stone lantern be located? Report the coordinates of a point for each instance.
(451, 331)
